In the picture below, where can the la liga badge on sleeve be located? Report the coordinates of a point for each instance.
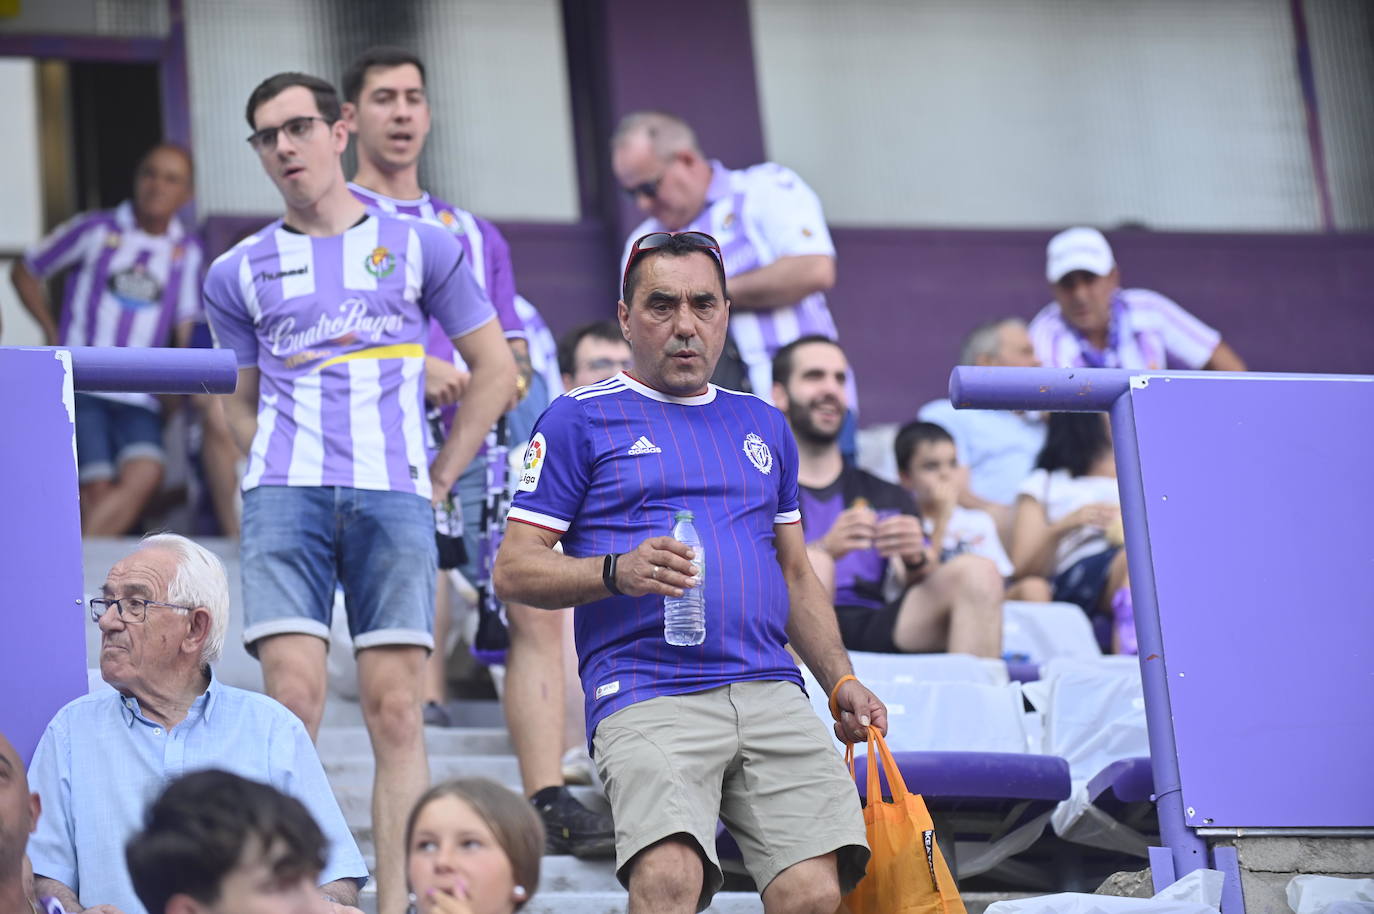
(535, 455)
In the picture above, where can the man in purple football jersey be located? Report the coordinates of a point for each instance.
(387, 109)
(328, 310)
(133, 280)
(684, 736)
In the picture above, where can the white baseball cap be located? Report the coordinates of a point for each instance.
(1078, 248)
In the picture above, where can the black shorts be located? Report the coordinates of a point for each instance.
(865, 629)
(1083, 581)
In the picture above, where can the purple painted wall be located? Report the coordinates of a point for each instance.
(695, 60)
(43, 650)
(905, 298)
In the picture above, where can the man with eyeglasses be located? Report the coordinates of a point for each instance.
(327, 310)
(778, 253)
(687, 736)
(386, 107)
(163, 612)
(133, 280)
(591, 353)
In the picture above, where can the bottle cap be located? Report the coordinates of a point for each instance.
(683, 515)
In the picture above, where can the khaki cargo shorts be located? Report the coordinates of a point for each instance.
(753, 754)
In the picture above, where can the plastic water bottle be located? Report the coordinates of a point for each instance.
(684, 617)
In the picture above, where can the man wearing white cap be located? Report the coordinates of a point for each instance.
(1094, 323)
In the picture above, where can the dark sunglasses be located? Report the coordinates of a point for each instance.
(646, 189)
(645, 243)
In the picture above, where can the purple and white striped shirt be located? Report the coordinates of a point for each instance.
(607, 468)
(337, 327)
(1148, 331)
(127, 288)
(487, 252)
(759, 215)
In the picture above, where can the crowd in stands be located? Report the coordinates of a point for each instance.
(357, 427)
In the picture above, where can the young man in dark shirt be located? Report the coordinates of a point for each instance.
(891, 591)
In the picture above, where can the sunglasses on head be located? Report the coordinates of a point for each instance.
(645, 243)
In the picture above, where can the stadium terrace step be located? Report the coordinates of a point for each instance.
(352, 740)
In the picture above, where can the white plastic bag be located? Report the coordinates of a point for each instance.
(1197, 893)
(1331, 895)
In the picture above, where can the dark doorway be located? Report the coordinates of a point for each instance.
(116, 116)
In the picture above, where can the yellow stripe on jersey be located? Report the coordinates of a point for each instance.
(395, 351)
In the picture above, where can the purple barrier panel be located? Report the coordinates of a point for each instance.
(1259, 499)
(42, 646)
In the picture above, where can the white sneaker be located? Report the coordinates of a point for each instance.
(578, 767)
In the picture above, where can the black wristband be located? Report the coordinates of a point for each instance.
(608, 573)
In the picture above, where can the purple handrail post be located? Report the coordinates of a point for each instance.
(1108, 390)
(1188, 849)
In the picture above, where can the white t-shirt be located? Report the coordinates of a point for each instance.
(973, 531)
(1060, 495)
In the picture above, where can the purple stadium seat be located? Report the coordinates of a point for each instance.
(979, 796)
(1124, 790)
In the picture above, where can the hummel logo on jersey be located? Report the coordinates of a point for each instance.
(644, 446)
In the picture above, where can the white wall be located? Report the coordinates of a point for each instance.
(501, 144)
(502, 138)
(21, 199)
(1039, 113)
(1341, 33)
(230, 48)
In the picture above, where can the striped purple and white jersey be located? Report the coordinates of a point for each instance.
(127, 288)
(1147, 331)
(543, 346)
(337, 327)
(607, 468)
(758, 215)
(487, 252)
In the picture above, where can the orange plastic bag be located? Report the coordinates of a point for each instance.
(907, 873)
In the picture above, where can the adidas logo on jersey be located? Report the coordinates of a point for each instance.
(644, 446)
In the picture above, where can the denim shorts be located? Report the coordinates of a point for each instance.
(298, 542)
(109, 432)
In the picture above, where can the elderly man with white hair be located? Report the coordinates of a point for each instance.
(162, 613)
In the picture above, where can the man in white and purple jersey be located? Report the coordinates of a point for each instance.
(328, 310)
(684, 736)
(387, 108)
(134, 281)
(778, 253)
(1094, 323)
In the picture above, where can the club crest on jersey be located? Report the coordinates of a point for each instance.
(451, 222)
(535, 455)
(758, 453)
(380, 262)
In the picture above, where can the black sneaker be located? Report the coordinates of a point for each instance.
(435, 715)
(570, 827)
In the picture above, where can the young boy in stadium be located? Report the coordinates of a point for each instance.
(930, 471)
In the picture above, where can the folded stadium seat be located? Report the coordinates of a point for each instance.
(1125, 791)
(1035, 633)
(1094, 716)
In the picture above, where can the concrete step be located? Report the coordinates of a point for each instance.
(355, 800)
(441, 742)
(607, 902)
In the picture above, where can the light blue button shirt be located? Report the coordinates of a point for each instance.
(100, 764)
(999, 447)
